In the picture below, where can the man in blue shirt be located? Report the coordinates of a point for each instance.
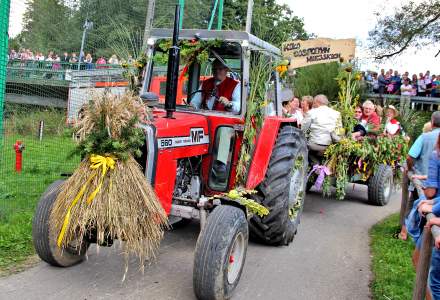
(396, 81)
(421, 150)
(418, 158)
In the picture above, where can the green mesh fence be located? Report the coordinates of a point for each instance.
(4, 23)
(47, 79)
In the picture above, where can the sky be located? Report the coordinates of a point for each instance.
(331, 19)
(354, 19)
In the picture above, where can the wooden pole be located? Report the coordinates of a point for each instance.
(419, 292)
(405, 196)
(148, 23)
(249, 16)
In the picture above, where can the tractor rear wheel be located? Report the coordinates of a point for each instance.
(283, 189)
(380, 186)
(220, 253)
(44, 237)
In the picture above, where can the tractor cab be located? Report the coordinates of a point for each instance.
(203, 135)
(233, 49)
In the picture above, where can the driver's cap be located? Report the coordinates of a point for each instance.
(217, 64)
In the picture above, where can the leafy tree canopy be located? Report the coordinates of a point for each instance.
(412, 25)
(57, 25)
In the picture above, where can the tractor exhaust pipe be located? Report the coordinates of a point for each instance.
(173, 68)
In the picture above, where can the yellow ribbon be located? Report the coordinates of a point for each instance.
(97, 161)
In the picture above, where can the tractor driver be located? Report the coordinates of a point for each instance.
(219, 92)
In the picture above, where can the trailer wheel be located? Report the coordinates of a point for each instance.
(44, 237)
(380, 186)
(220, 253)
(283, 189)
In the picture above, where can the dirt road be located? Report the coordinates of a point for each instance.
(329, 259)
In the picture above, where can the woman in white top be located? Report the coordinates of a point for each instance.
(295, 110)
(421, 86)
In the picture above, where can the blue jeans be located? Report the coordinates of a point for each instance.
(434, 274)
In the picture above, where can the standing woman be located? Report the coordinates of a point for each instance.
(89, 61)
(421, 86)
(414, 85)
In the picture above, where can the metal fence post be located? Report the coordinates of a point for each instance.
(4, 25)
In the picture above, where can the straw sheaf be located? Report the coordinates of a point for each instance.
(116, 111)
(126, 207)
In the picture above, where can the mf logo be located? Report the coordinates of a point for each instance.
(196, 135)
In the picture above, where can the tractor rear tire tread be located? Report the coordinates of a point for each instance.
(277, 228)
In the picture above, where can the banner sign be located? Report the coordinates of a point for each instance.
(318, 51)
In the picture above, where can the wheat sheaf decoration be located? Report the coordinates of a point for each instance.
(107, 196)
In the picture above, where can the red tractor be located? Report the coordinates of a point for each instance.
(191, 155)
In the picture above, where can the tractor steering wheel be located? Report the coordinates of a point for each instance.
(189, 98)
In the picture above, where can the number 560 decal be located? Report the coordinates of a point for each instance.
(196, 137)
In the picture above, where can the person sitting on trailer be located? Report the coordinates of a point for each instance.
(219, 92)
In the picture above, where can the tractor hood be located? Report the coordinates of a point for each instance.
(186, 133)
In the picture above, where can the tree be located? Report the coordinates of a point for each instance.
(413, 25)
(271, 21)
(45, 25)
(118, 25)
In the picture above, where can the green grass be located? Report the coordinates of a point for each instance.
(391, 262)
(43, 163)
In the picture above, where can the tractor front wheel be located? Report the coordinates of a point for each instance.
(220, 253)
(44, 236)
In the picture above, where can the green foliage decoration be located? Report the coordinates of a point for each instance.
(349, 157)
(260, 75)
(242, 197)
(102, 132)
(190, 51)
(348, 95)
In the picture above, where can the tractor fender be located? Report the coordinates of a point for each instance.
(263, 150)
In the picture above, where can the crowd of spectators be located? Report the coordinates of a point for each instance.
(394, 83)
(56, 62)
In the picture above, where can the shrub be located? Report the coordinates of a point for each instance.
(317, 79)
(24, 120)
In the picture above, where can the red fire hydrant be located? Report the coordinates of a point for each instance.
(18, 147)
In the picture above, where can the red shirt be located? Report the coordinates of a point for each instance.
(373, 121)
